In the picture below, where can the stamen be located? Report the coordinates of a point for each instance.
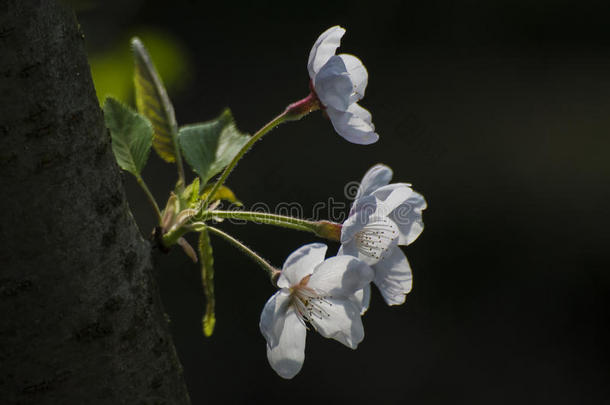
(309, 303)
(376, 237)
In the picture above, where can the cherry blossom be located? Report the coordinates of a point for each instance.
(317, 292)
(383, 217)
(339, 81)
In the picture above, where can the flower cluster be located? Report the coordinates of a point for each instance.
(332, 294)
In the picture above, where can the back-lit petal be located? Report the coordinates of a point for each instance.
(341, 322)
(408, 218)
(357, 74)
(325, 46)
(272, 318)
(287, 356)
(362, 298)
(333, 84)
(376, 177)
(341, 276)
(301, 263)
(393, 277)
(354, 124)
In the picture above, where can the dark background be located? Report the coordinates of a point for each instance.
(496, 111)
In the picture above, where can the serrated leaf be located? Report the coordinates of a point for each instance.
(207, 279)
(131, 136)
(112, 67)
(152, 101)
(210, 146)
(223, 193)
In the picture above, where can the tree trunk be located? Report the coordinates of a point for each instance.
(81, 318)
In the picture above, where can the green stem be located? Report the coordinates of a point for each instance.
(265, 218)
(171, 238)
(151, 198)
(223, 177)
(179, 164)
(324, 229)
(271, 271)
(293, 112)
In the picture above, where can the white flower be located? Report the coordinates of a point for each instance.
(339, 81)
(319, 292)
(383, 217)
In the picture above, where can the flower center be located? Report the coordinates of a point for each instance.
(309, 302)
(376, 238)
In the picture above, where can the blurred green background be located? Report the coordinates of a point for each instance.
(112, 68)
(496, 111)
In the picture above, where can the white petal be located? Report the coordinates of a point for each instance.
(384, 191)
(301, 263)
(286, 358)
(376, 177)
(362, 113)
(341, 276)
(366, 204)
(360, 213)
(354, 124)
(333, 85)
(363, 298)
(408, 218)
(324, 47)
(350, 248)
(393, 277)
(357, 74)
(341, 322)
(272, 318)
(392, 196)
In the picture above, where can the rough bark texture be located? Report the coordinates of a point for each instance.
(81, 320)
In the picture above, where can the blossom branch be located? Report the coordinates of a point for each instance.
(264, 264)
(293, 112)
(223, 177)
(325, 229)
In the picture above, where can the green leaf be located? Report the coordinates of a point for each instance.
(210, 146)
(152, 101)
(131, 135)
(190, 196)
(112, 66)
(207, 278)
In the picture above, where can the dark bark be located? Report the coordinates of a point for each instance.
(81, 319)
